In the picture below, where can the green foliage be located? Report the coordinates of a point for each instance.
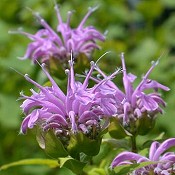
(51, 144)
(116, 130)
(144, 125)
(74, 165)
(49, 162)
(117, 143)
(80, 143)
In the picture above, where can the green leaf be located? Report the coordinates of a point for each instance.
(51, 144)
(124, 169)
(144, 125)
(96, 171)
(70, 163)
(49, 162)
(74, 165)
(159, 138)
(80, 143)
(116, 130)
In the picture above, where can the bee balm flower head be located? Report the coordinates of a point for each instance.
(164, 162)
(136, 108)
(47, 43)
(76, 111)
(143, 102)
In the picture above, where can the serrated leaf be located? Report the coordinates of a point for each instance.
(49, 162)
(124, 169)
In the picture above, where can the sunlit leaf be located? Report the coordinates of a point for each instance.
(96, 171)
(74, 165)
(49, 162)
(70, 163)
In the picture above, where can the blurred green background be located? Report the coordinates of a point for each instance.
(143, 29)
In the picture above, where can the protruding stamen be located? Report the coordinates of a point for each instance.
(102, 57)
(106, 32)
(85, 83)
(55, 86)
(17, 71)
(90, 10)
(92, 63)
(123, 63)
(145, 77)
(58, 14)
(154, 63)
(69, 14)
(100, 72)
(71, 76)
(46, 26)
(20, 31)
(67, 71)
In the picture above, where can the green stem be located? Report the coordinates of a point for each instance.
(133, 144)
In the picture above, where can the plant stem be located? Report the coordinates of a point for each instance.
(133, 144)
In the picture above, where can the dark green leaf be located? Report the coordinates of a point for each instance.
(144, 125)
(80, 143)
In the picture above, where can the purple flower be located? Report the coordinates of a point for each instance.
(164, 162)
(137, 100)
(59, 44)
(133, 104)
(76, 111)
